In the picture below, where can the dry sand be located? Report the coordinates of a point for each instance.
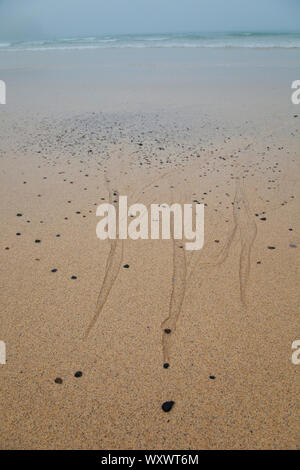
(215, 128)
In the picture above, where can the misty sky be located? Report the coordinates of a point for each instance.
(39, 19)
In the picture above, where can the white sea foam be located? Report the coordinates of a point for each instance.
(191, 40)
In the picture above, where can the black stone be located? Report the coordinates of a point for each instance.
(58, 380)
(167, 406)
(78, 374)
(167, 331)
(126, 266)
(166, 365)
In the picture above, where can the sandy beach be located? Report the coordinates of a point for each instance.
(83, 319)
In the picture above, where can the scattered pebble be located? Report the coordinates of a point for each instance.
(126, 266)
(167, 406)
(167, 331)
(293, 245)
(166, 365)
(58, 380)
(78, 374)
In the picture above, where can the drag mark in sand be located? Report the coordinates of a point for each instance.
(242, 223)
(248, 230)
(115, 258)
(113, 265)
(177, 297)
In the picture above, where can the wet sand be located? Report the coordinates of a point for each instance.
(86, 322)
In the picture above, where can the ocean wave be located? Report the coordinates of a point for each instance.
(190, 40)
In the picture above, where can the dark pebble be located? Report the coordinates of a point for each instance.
(167, 331)
(58, 380)
(37, 241)
(167, 406)
(19, 215)
(126, 266)
(271, 247)
(74, 277)
(166, 365)
(54, 270)
(78, 374)
(212, 377)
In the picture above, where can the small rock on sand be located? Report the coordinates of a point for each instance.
(167, 406)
